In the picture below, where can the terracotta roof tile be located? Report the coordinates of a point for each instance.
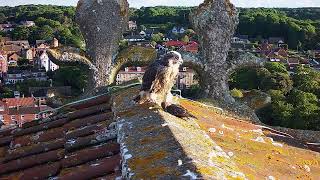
(35, 149)
(39, 172)
(90, 154)
(75, 139)
(95, 170)
(31, 161)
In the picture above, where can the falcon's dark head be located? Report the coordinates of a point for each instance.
(172, 58)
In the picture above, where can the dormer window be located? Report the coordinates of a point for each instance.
(126, 69)
(139, 69)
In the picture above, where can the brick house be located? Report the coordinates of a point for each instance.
(3, 65)
(278, 55)
(44, 62)
(17, 111)
(30, 54)
(186, 77)
(192, 47)
(132, 25)
(130, 73)
(15, 76)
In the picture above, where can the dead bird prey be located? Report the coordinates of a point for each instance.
(177, 110)
(159, 79)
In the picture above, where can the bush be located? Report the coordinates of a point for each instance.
(236, 93)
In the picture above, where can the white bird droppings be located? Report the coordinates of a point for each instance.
(164, 125)
(259, 139)
(212, 130)
(230, 154)
(270, 178)
(192, 175)
(307, 168)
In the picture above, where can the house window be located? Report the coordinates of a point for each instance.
(13, 117)
(37, 116)
(22, 117)
(184, 69)
(1, 118)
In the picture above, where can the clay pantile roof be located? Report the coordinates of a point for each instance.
(24, 110)
(77, 142)
(175, 43)
(29, 101)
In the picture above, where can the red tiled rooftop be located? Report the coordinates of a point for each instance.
(19, 101)
(175, 43)
(77, 142)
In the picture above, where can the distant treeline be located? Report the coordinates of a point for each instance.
(51, 21)
(299, 26)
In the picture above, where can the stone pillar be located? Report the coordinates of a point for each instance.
(102, 23)
(215, 21)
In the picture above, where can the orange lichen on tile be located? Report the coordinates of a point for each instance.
(255, 154)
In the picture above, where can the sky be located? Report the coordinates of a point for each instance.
(139, 3)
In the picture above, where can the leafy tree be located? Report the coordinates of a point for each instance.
(185, 39)
(274, 67)
(282, 113)
(23, 62)
(45, 33)
(20, 33)
(307, 80)
(157, 37)
(236, 93)
(276, 95)
(190, 32)
(23, 87)
(3, 18)
(5, 92)
(72, 76)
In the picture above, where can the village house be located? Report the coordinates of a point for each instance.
(151, 31)
(44, 61)
(55, 43)
(265, 48)
(192, 47)
(3, 65)
(178, 30)
(7, 27)
(15, 76)
(276, 40)
(3, 40)
(27, 23)
(278, 55)
(293, 62)
(13, 60)
(186, 76)
(30, 54)
(9, 49)
(132, 25)
(17, 111)
(130, 73)
(134, 38)
(24, 44)
(176, 44)
(240, 39)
